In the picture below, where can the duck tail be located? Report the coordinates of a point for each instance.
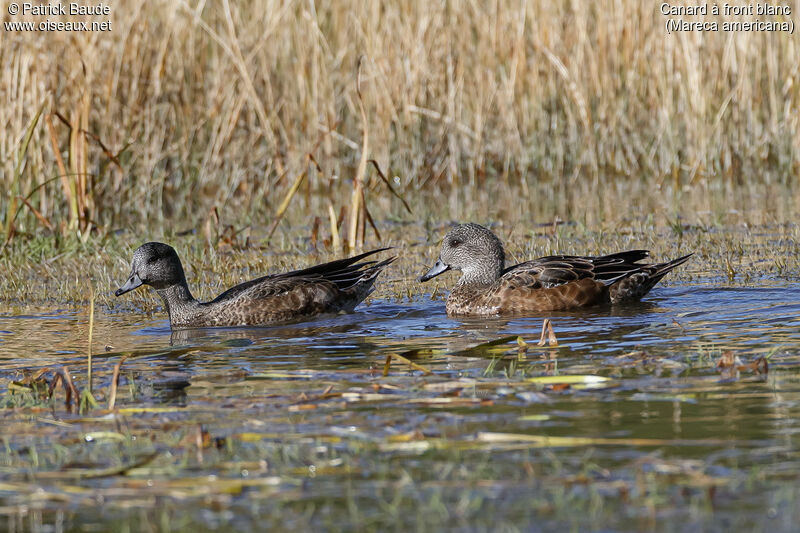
(626, 257)
(636, 284)
(370, 273)
(662, 269)
(352, 275)
(608, 282)
(338, 266)
(361, 283)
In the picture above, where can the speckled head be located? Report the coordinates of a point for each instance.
(472, 249)
(155, 264)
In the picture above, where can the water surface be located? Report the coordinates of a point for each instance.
(296, 426)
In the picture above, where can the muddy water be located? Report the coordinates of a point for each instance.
(296, 426)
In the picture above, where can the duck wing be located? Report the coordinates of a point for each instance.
(554, 283)
(343, 273)
(622, 272)
(555, 270)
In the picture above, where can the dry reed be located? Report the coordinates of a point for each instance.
(183, 107)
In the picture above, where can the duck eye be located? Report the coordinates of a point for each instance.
(455, 242)
(152, 259)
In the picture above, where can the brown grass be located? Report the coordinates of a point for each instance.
(184, 107)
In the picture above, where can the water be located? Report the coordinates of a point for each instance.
(296, 426)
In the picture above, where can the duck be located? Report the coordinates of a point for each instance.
(553, 283)
(337, 286)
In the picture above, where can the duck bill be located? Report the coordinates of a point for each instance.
(435, 270)
(132, 283)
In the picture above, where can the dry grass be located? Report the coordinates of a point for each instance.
(54, 271)
(188, 106)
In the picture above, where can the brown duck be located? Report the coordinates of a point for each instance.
(301, 294)
(554, 283)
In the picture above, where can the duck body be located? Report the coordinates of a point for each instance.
(553, 283)
(337, 286)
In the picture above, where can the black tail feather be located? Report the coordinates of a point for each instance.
(662, 269)
(638, 283)
(332, 267)
(358, 273)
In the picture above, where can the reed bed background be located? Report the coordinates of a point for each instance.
(193, 113)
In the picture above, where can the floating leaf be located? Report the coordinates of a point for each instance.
(534, 418)
(137, 410)
(557, 442)
(278, 375)
(651, 397)
(410, 363)
(579, 381)
(422, 353)
(104, 435)
(417, 446)
(488, 349)
(570, 378)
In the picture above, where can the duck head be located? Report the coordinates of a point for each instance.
(155, 264)
(473, 250)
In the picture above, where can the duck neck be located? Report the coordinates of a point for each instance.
(481, 275)
(179, 302)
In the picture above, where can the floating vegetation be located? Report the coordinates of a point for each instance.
(305, 425)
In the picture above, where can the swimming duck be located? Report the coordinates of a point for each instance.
(554, 283)
(301, 294)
